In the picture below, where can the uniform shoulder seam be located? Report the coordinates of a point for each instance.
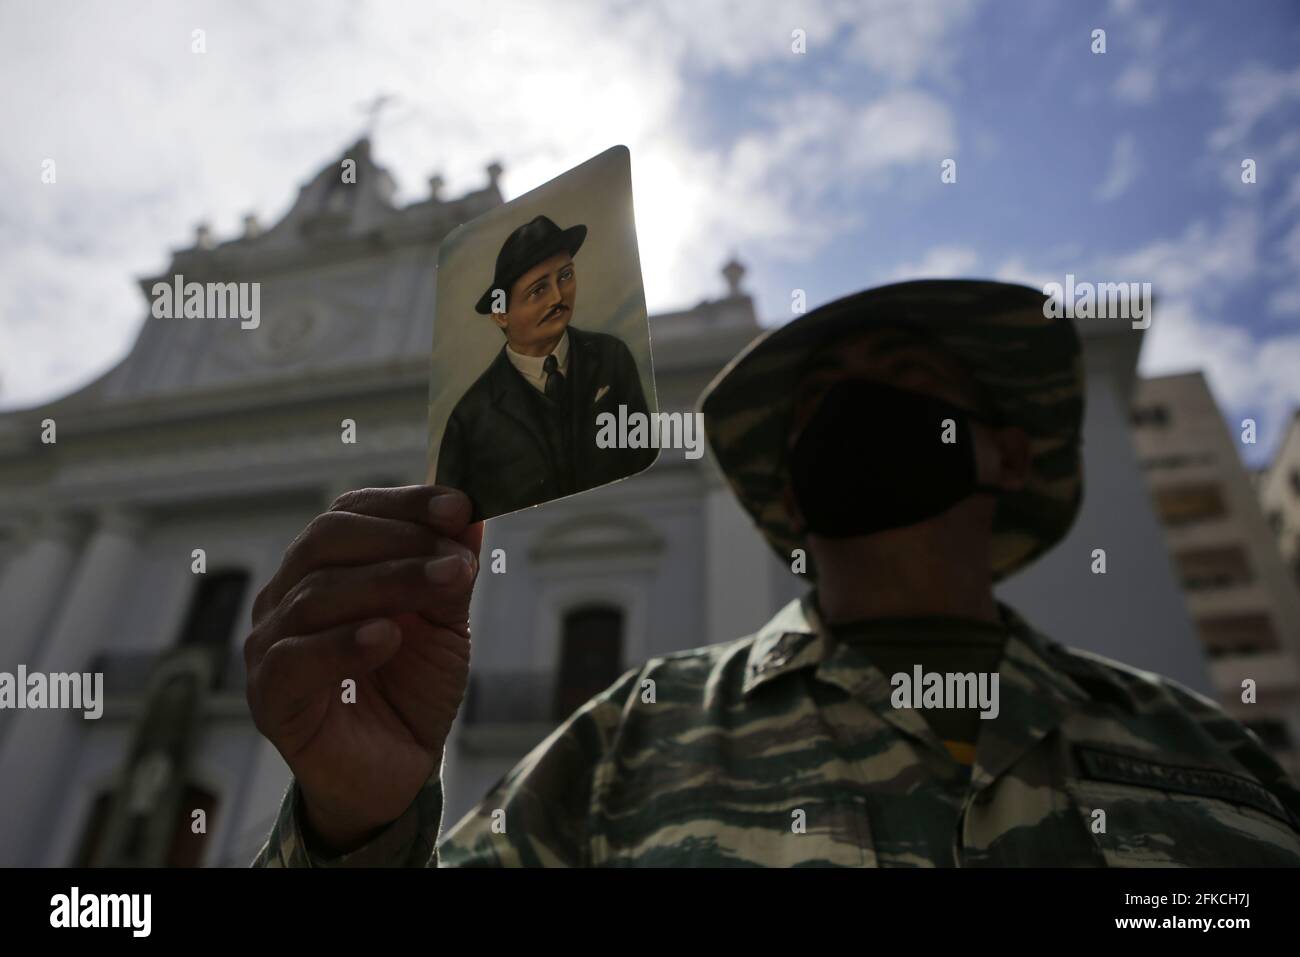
(715, 651)
(1111, 666)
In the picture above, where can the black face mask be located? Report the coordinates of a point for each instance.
(872, 458)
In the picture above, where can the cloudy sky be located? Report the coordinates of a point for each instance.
(820, 170)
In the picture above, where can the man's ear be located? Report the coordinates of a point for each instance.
(502, 319)
(1014, 457)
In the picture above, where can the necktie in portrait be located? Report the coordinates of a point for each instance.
(555, 382)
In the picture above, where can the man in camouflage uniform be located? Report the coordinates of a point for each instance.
(914, 443)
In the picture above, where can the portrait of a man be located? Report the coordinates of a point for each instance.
(525, 431)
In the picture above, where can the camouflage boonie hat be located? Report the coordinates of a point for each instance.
(1030, 367)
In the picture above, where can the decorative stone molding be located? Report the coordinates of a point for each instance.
(322, 446)
(120, 520)
(596, 537)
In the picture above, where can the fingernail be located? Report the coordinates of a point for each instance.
(442, 571)
(375, 633)
(451, 547)
(443, 508)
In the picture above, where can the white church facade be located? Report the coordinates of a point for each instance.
(227, 440)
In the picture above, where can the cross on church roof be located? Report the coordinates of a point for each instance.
(733, 272)
(373, 107)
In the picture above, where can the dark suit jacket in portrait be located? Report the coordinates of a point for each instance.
(508, 446)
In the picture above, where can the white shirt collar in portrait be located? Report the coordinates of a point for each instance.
(530, 367)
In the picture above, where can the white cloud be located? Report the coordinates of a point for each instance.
(1200, 262)
(1285, 301)
(1285, 263)
(821, 138)
(1196, 323)
(1249, 376)
(904, 38)
(1016, 269)
(1290, 249)
(899, 40)
(1136, 84)
(941, 262)
(1292, 198)
(1136, 40)
(150, 138)
(1197, 278)
(1122, 171)
(1250, 95)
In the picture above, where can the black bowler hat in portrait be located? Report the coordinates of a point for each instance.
(528, 245)
(524, 432)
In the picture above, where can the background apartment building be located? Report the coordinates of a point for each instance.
(1240, 593)
(1278, 487)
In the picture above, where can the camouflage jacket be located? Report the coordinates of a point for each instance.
(783, 749)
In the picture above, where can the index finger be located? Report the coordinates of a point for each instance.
(441, 507)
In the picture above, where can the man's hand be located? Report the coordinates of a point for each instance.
(377, 589)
